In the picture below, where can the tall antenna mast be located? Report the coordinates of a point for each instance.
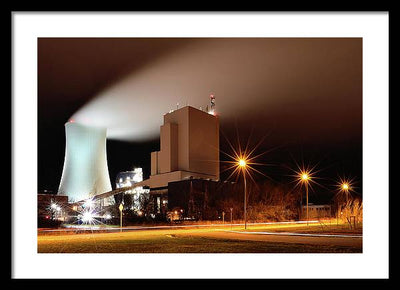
(212, 104)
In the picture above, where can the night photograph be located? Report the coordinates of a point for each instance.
(222, 143)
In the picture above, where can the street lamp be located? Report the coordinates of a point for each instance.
(242, 164)
(346, 188)
(121, 207)
(304, 178)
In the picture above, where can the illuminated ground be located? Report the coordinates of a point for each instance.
(258, 239)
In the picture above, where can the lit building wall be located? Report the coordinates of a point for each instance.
(189, 147)
(169, 147)
(181, 119)
(203, 143)
(154, 163)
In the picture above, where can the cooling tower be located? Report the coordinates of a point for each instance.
(85, 171)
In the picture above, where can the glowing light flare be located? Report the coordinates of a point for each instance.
(345, 184)
(87, 217)
(242, 162)
(345, 187)
(55, 208)
(91, 216)
(305, 176)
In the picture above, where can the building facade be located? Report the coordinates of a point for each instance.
(189, 149)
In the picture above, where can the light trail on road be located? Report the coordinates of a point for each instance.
(297, 234)
(134, 228)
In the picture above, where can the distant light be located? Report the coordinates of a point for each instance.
(242, 162)
(304, 176)
(345, 186)
(87, 217)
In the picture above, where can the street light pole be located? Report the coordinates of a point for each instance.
(305, 177)
(242, 164)
(345, 187)
(231, 217)
(121, 207)
(245, 201)
(307, 200)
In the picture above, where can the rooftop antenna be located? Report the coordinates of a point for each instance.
(212, 104)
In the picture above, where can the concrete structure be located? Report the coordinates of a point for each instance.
(85, 173)
(189, 148)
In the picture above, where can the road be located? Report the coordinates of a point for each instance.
(260, 238)
(288, 237)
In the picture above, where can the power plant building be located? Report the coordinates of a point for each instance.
(189, 149)
(189, 146)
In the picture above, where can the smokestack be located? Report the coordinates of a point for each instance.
(85, 171)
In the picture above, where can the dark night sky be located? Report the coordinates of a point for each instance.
(304, 93)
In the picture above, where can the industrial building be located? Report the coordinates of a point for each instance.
(189, 149)
(188, 156)
(85, 173)
(132, 197)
